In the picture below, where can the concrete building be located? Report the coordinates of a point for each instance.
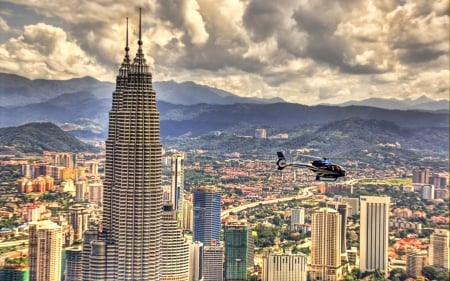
(297, 217)
(438, 251)
(78, 218)
(213, 263)
(14, 272)
(284, 267)
(44, 250)
(196, 261)
(354, 205)
(325, 245)
(415, 261)
(260, 134)
(177, 185)
(420, 175)
(374, 230)
(95, 193)
(343, 209)
(74, 263)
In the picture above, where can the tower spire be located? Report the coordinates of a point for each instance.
(140, 29)
(126, 47)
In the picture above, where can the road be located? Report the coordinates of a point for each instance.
(306, 193)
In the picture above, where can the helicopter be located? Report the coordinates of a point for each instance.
(324, 169)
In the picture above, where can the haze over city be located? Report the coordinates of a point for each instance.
(307, 52)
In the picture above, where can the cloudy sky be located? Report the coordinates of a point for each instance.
(309, 52)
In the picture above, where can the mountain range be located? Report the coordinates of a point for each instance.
(81, 106)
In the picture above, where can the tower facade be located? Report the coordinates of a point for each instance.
(374, 230)
(44, 250)
(325, 245)
(213, 263)
(129, 241)
(174, 248)
(177, 185)
(207, 215)
(438, 252)
(74, 264)
(415, 261)
(236, 238)
(343, 209)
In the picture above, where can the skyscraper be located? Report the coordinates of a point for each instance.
(207, 215)
(297, 217)
(325, 245)
(438, 252)
(177, 186)
(415, 261)
(374, 230)
(78, 218)
(195, 261)
(74, 264)
(236, 238)
(343, 210)
(44, 250)
(130, 235)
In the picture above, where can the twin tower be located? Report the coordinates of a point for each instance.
(127, 245)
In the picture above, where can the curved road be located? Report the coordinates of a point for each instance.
(306, 193)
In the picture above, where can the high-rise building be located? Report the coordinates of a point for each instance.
(237, 252)
(297, 217)
(174, 248)
(196, 261)
(420, 175)
(325, 245)
(14, 272)
(213, 263)
(343, 210)
(260, 134)
(207, 215)
(74, 264)
(177, 186)
(188, 215)
(284, 267)
(78, 218)
(128, 247)
(427, 192)
(374, 230)
(438, 251)
(81, 190)
(45, 242)
(95, 193)
(415, 261)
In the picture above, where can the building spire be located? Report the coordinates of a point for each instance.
(126, 47)
(140, 28)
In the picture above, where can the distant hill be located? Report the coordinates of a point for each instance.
(18, 91)
(422, 103)
(37, 137)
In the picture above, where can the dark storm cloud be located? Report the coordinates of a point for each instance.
(262, 19)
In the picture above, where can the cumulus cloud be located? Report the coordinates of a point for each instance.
(44, 51)
(304, 51)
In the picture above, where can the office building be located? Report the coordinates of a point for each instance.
(81, 191)
(188, 215)
(177, 186)
(420, 175)
(45, 242)
(284, 267)
(415, 261)
(438, 251)
(206, 215)
(78, 219)
(354, 205)
(427, 192)
(343, 210)
(237, 251)
(374, 230)
(213, 263)
(325, 245)
(174, 248)
(297, 217)
(74, 264)
(14, 272)
(196, 261)
(95, 193)
(128, 246)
